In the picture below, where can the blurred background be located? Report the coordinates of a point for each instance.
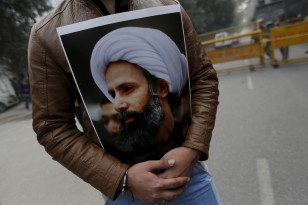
(259, 147)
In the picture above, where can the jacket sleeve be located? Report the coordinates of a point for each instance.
(53, 96)
(204, 92)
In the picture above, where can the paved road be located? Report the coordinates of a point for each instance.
(28, 175)
(258, 155)
(259, 149)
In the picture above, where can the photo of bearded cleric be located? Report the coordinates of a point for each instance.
(135, 73)
(143, 75)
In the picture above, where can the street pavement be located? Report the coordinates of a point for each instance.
(258, 153)
(15, 113)
(259, 148)
(28, 175)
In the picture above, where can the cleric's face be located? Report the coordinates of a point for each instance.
(140, 114)
(128, 86)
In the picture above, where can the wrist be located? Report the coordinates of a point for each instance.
(194, 154)
(123, 184)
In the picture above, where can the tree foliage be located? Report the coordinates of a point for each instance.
(16, 20)
(210, 15)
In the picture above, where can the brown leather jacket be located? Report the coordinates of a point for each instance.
(54, 93)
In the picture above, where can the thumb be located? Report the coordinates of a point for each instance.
(160, 164)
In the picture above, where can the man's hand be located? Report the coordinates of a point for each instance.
(185, 158)
(148, 187)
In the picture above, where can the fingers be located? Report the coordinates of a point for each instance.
(171, 162)
(159, 164)
(162, 194)
(174, 183)
(156, 189)
(169, 195)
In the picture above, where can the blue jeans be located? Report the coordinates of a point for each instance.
(200, 191)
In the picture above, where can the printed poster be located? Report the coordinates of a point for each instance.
(132, 74)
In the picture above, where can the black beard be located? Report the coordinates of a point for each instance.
(140, 134)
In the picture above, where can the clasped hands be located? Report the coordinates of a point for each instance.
(161, 181)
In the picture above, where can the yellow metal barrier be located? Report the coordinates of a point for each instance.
(284, 36)
(253, 50)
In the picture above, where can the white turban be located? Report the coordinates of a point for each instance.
(149, 48)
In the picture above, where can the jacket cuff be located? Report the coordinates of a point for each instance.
(118, 174)
(198, 137)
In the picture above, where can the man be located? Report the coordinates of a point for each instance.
(282, 21)
(54, 93)
(138, 69)
(142, 99)
(110, 118)
(143, 126)
(24, 90)
(108, 130)
(260, 25)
